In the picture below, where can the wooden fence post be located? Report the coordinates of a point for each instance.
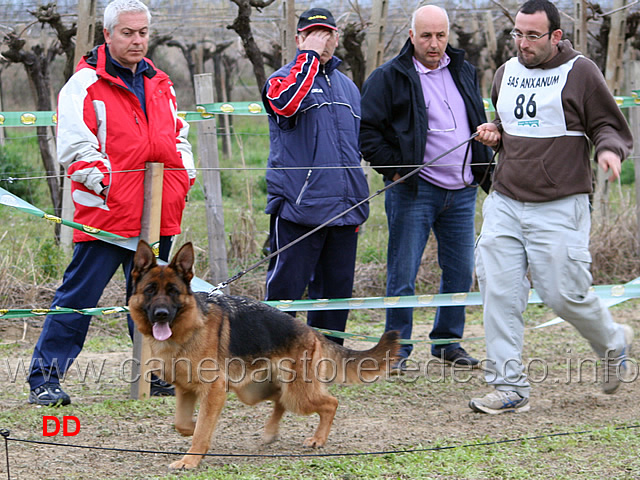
(613, 76)
(208, 153)
(614, 73)
(634, 123)
(580, 31)
(375, 36)
(2, 138)
(150, 231)
(289, 31)
(486, 77)
(633, 83)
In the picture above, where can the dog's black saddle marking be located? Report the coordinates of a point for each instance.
(257, 329)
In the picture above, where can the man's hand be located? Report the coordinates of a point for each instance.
(91, 178)
(315, 40)
(488, 134)
(610, 161)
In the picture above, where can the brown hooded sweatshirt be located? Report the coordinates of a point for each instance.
(543, 169)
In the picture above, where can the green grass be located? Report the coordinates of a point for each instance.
(585, 451)
(579, 453)
(19, 158)
(108, 343)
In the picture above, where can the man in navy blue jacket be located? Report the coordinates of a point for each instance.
(415, 107)
(314, 172)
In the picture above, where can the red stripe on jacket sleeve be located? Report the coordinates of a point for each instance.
(285, 94)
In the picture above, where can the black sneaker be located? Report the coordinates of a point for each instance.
(398, 368)
(160, 388)
(49, 394)
(458, 356)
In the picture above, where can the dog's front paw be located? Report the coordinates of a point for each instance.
(268, 438)
(313, 442)
(187, 462)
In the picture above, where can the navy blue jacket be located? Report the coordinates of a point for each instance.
(314, 119)
(394, 116)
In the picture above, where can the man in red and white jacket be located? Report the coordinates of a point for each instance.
(117, 112)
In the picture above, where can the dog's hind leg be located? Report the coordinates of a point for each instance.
(270, 434)
(185, 405)
(211, 404)
(326, 407)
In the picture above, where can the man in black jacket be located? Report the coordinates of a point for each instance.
(418, 105)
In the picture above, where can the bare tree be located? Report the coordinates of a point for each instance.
(598, 49)
(353, 39)
(37, 62)
(633, 23)
(224, 69)
(159, 40)
(242, 26)
(274, 57)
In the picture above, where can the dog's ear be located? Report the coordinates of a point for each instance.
(183, 262)
(143, 260)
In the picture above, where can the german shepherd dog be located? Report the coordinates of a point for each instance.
(213, 343)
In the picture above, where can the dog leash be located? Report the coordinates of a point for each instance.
(217, 289)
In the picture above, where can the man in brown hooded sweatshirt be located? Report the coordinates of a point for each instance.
(552, 106)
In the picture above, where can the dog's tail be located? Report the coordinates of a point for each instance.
(337, 364)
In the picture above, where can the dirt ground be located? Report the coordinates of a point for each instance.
(421, 409)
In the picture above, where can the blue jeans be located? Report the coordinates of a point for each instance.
(411, 215)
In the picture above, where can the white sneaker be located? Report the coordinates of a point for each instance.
(616, 369)
(500, 402)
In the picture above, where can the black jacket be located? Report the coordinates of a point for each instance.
(394, 119)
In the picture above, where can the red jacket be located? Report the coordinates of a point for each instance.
(104, 139)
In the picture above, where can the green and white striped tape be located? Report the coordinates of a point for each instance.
(206, 111)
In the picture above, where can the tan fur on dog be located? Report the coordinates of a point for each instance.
(206, 346)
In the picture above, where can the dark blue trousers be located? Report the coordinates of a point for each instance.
(62, 338)
(323, 262)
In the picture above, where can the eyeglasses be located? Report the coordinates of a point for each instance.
(530, 37)
(453, 118)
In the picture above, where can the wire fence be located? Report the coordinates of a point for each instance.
(242, 173)
(6, 434)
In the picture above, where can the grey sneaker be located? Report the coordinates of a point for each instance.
(616, 369)
(500, 402)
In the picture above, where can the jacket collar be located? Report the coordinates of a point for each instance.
(97, 59)
(405, 63)
(565, 53)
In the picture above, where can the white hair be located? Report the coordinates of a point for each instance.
(113, 11)
(415, 14)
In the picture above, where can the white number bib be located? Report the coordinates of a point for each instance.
(530, 100)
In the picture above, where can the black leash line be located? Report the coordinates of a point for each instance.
(224, 284)
(319, 455)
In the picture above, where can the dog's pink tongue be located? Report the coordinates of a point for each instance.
(161, 331)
